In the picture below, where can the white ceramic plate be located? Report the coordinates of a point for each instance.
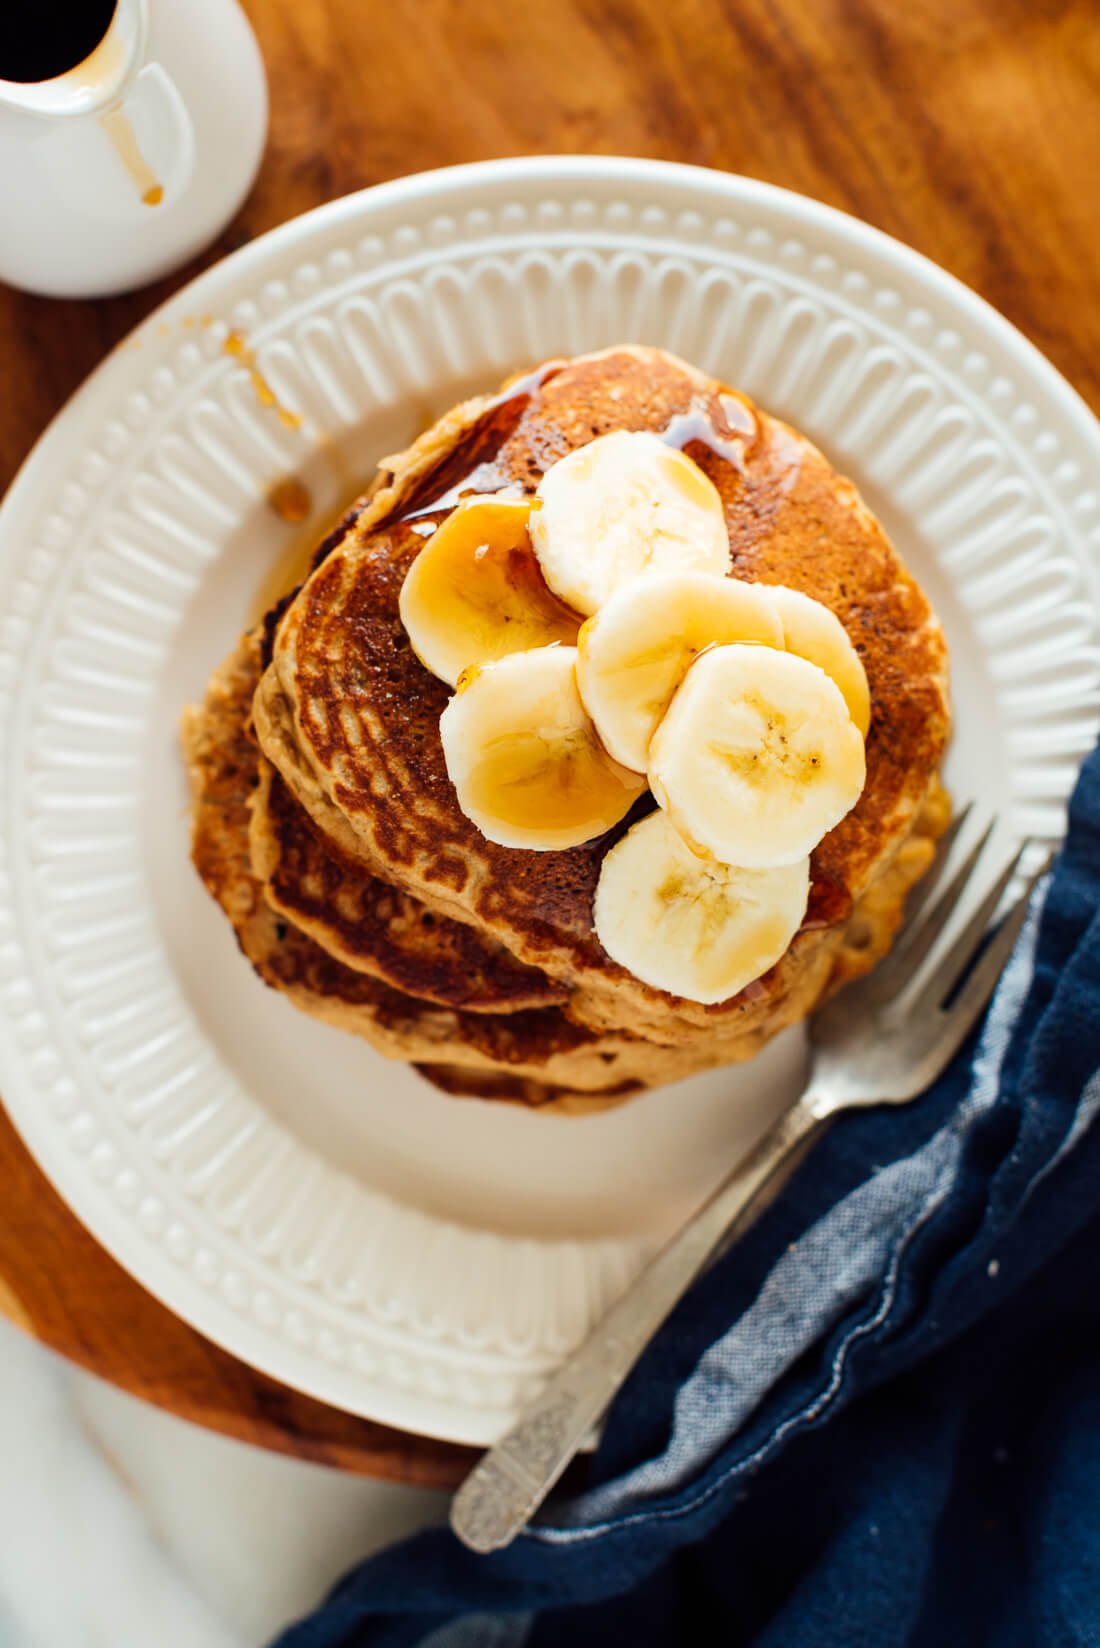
(324, 1214)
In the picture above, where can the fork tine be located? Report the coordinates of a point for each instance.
(914, 943)
(960, 1018)
(950, 968)
(929, 881)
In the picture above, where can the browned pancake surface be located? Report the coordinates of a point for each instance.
(351, 717)
(374, 927)
(533, 1055)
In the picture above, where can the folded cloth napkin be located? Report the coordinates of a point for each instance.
(876, 1420)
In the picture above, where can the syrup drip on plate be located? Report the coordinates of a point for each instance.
(291, 500)
(237, 346)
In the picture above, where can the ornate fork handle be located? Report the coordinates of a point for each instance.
(505, 1489)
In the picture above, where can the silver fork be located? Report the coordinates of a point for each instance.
(881, 1041)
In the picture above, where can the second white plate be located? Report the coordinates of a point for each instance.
(323, 1214)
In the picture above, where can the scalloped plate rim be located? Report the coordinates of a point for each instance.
(109, 1224)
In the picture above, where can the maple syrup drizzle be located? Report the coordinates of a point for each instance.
(237, 346)
(828, 905)
(291, 500)
(721, 423)
(482, 582)
(125, 144)
(474, 465)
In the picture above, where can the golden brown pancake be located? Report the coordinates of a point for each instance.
(373, 927)
(534, 1056)
(495, 1065)
(492, 1084)
(365, 923)
(349, 716)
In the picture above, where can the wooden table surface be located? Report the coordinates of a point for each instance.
(968, 128)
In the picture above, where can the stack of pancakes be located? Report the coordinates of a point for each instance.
(328, 830)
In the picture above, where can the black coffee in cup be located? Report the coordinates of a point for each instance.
(40, 39)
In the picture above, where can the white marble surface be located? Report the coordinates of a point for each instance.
(120, 1525)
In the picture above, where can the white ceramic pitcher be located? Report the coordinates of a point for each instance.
(126, 165)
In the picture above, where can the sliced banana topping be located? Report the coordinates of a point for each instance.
(812, 630)
(637, 649)
(621, 507)
(523, 755)
(475, 591)
(689, 925)
(757, 758)
(743, 706)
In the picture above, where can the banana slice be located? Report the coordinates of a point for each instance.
(475, 591)
(622, 506)
(690, 925)
(523, 755)
(811, 630)
(757, 758)
(637, 649)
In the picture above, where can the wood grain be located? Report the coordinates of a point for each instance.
(59, 1284)
(968, 128)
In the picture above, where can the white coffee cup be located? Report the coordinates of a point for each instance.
(123, 167)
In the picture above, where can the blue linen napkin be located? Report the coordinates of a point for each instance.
(876, 1421)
